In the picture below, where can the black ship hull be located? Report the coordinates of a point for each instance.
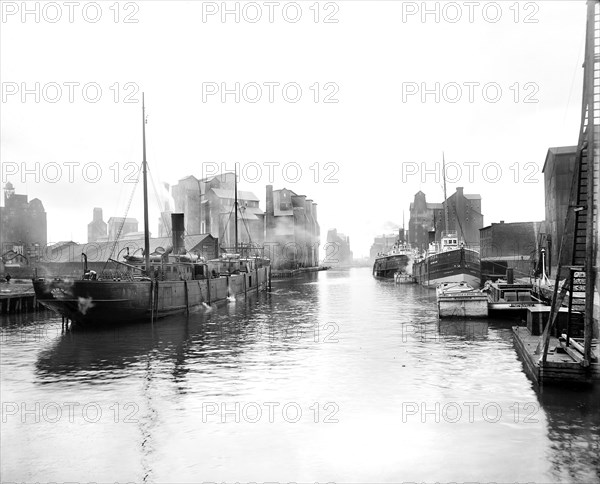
(105, 303)
(451, 266)
(385, 267)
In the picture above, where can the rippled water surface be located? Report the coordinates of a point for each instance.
(331, 377)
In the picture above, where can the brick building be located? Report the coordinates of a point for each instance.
(23, 226)
(424, 217)
(464, 218)
(508, 245)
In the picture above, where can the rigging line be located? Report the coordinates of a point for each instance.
(248, 232)
(459, 224)
(123, 221)
(222, 234)
(575, 70)
(165, 222)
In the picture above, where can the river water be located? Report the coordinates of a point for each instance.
(332, 377)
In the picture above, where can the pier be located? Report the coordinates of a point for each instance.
(286, 273)
(17, 298)
(564, 364)
(17, 303)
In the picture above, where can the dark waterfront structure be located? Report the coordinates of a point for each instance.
(424, 217)
(338, 249)
(97, 228)
(292, 232)
(23, 224)
(569, 354)
(508, 245)
(559, 168)
(464, 218)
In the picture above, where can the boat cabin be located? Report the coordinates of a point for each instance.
(233, 264)
(503, 295)
(450, 242)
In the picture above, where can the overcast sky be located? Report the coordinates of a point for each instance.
(508, 77)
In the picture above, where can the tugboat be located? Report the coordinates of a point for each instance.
(149, 287)
(448, 262)
(395, 261)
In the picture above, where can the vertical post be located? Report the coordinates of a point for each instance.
(235, 207)
(447, 229)
(187, 297)
(269, 275)
(208, 288)
(144, 168)
(590, 65)
(152, 301)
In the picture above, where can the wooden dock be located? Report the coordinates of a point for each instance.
(17, 298)
(286, 273)
(563, 365)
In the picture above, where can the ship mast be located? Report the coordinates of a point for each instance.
(235, 207)
(403, 233)
(144, 170)
(445, 199)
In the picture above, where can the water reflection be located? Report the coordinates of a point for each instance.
(574, 432)
(369, 347)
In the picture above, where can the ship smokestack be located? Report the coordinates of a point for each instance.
(177, 230)
(510, 275)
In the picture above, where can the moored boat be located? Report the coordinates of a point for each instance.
(510, 297)
(403, 278)
(394, 261)
(459, 299)
(447, 262)
(153, 286)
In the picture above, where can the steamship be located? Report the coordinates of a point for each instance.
(154, 285)
(395, 261)
(448, 262)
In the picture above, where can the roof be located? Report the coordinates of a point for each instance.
(62, 243)
(128, 220)
(559, 150)
(508, 224)
(100, 251)
(36, 203)
(287, 190)
(221, 175)
(242, 195)
(472, 196)
(434, 206)
(188, 177)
